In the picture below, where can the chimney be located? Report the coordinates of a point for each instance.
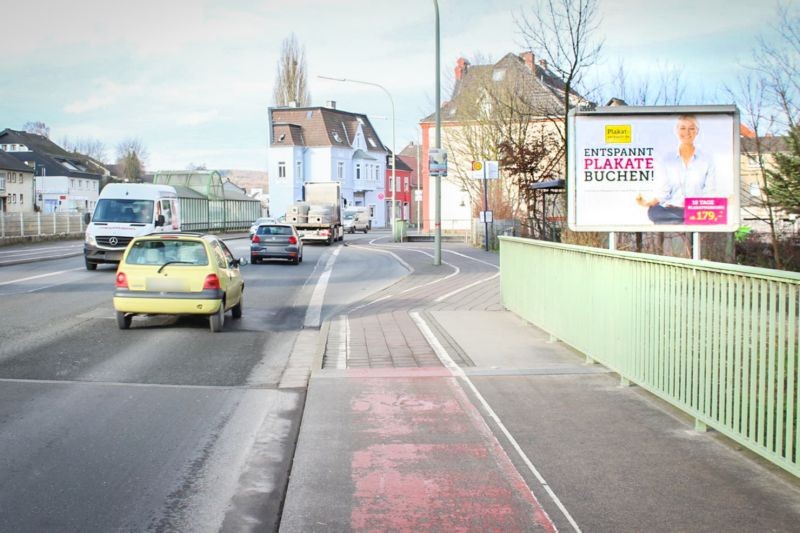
(528, 58)
(543, 63)
(330, 104)
(461, 68)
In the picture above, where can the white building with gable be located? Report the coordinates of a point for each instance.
(326, 144)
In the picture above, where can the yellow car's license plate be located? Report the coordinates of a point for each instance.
(164, 284)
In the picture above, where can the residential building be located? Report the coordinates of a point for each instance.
(16, 185)
(411, 157)
(64, 181)
(490, 103)
(402, 190)
(326, 144)
(754, 212)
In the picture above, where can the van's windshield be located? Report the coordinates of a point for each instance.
(121, 210)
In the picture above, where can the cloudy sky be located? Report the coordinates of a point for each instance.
(192, 79)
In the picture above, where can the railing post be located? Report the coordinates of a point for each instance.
(700, 426)
(21, 225)
(68, 223)
(55, 224)
(38, 223)
(3, 224)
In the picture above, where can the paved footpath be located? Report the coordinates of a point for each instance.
(436, 410)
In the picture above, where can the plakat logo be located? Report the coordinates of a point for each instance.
(618, 134)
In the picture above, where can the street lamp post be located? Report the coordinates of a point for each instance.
(394, 151)
(437, 235)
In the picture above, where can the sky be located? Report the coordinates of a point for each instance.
(192, 79)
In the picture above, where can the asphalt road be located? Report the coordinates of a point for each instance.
(164, 427)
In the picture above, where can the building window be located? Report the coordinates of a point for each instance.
(754, 189)
(21, 199)
(298, 171)
(358, 171)
(340, 170)
(281, 169)
(14, 198)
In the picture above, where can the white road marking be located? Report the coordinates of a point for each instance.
(465, 287)
(473, 259)
(40, 276)
(457, 372)
(314, 311)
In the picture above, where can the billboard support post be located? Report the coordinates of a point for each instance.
(696, 251)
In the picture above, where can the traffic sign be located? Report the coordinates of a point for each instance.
(489, 170)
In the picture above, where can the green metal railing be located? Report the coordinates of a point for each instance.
(717, 341)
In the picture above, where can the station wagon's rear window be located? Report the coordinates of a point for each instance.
(158, 252)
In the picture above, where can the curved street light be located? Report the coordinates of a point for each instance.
(394, 151)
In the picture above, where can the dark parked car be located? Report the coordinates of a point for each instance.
(276, 241)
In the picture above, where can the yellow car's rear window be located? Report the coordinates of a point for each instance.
(158, 252)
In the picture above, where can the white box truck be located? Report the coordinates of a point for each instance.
(125, 211)
(319, 216)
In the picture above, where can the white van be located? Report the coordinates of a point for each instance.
(125, 211)
(356, 220)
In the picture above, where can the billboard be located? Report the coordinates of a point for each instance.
(437, 162)
(654, 169)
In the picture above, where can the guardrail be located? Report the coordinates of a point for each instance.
(718, 341)
(13, 225)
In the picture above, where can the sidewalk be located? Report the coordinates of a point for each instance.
(437, 410)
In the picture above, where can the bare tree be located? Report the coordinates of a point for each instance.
(88, 146)
(564, 32)
(769, 96)
(778, 61)
(291, 84)
(131, 157)
(668, 88)
(750, 93)
(37, 127)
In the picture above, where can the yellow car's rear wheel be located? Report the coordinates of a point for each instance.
(124, 320)
(217, 320)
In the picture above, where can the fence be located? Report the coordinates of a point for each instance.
(13, 225)
(471, 230)
(718, 341)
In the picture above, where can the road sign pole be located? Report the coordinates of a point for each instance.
(486, 208)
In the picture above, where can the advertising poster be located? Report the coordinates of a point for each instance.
(654, 169)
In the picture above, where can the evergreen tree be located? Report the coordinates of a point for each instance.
(784, 179)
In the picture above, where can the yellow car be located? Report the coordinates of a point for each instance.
(178, 274)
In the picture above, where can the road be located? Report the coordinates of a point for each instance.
(167, 426)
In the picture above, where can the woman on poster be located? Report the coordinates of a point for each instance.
(686, 173)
